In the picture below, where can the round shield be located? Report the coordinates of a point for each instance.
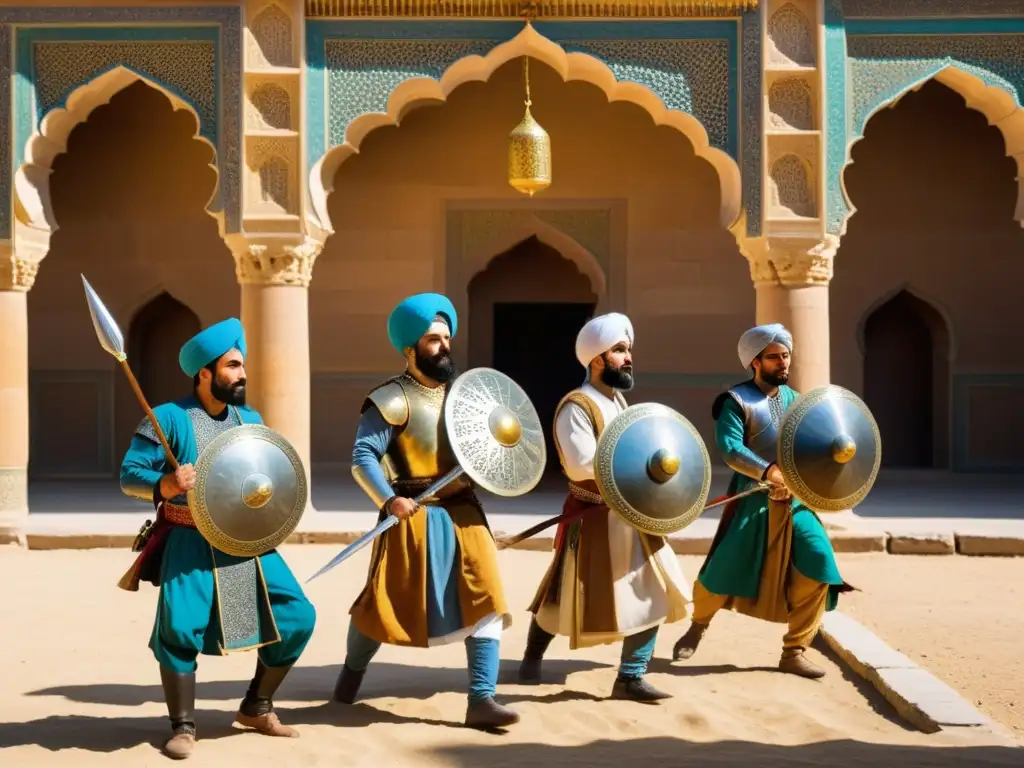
(829, 449)
(653, 469)
(250, 491)
(495, 432)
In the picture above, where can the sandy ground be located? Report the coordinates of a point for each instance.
(79, 686)
(961, 617)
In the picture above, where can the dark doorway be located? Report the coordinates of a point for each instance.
(904, 378)
(534, 344)
(155, 338)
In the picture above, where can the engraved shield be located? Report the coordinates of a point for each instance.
(494, 432)
(653, 469)
(250, 491)
(829, 449)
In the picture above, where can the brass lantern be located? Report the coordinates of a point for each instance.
(529, 149)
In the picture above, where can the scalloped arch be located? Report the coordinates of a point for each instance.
(570, 66)
(997, 104)
(33, 206)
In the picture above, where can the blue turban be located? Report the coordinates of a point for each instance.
(414, 316)
(208, 345)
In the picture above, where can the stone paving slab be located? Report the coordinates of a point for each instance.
(974, 544)
(917, 695)
(922, 544)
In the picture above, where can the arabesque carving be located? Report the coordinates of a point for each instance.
(20, 259)
(271, 263)
(270, 39)
(790, 38)
(270, 108)
(790, 261)
(790, 189)
(791, 105)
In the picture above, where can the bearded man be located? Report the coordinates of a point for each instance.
(433, 577)
(771, 557)
(607, 581)
(209, 602)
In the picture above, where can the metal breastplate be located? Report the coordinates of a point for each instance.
(205, 428)
(762, 417)
(420, 449)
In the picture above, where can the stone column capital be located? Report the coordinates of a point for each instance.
(20, 258)
(790, 261)
(274, 260)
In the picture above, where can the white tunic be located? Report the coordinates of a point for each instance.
(647, 590)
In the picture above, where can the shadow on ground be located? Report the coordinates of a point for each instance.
(317, 684)
(678, 752)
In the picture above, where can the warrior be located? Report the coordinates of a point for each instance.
(607, 581)
(209, 602)
(433, 577)
(771, 557)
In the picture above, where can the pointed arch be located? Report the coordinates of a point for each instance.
(950, 347)
(33, 206)
(477, 260)
(570, 66)
(998, 103)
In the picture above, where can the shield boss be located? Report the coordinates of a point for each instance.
(653, 469)
(829, 449)
(494, 432)
(250, 491)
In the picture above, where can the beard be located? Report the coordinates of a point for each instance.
(232, 394)
(774, 379)
(440, 367)
(617, 378)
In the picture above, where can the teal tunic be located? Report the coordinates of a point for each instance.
(734, 565)
(188, 607)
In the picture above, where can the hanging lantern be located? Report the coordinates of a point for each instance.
(529, 150)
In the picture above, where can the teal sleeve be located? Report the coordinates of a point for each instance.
(143, 466)
(729, 433)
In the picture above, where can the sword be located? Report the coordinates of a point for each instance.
(511, 541)
(112, 341)
(389, 522)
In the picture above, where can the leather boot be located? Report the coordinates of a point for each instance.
(686, 646)
(487, 714)
(537, 642)
(795, 662)
(180, 695)
(637, 689)
(257, 709)
(347, 687)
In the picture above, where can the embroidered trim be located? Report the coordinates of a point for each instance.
(176, 515)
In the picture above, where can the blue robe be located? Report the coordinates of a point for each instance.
(188, 615)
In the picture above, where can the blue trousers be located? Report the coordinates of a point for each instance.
(637, 649)
(481, 658)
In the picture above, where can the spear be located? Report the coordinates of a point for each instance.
(112, 341)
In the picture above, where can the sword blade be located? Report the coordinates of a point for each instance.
(355, 546)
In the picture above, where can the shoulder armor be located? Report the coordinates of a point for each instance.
(745, 395)
(390, 400)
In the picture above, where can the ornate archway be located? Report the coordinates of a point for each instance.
(417, 91)
(34, 216)
(996, 99)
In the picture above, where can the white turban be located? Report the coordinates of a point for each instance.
(753, 342)
(601, 334)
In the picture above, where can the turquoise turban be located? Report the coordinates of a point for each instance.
(411, 319)
(208, 345)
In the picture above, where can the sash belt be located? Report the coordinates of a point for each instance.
(581, 493)
(176, 515)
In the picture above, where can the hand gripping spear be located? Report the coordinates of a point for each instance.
(113, 342)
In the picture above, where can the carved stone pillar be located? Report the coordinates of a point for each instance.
(17, 275)
(274, 274)
(791, 278)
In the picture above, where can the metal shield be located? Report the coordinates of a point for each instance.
(250, 491)
(653, 469)
(495, 432)
(829, 449)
